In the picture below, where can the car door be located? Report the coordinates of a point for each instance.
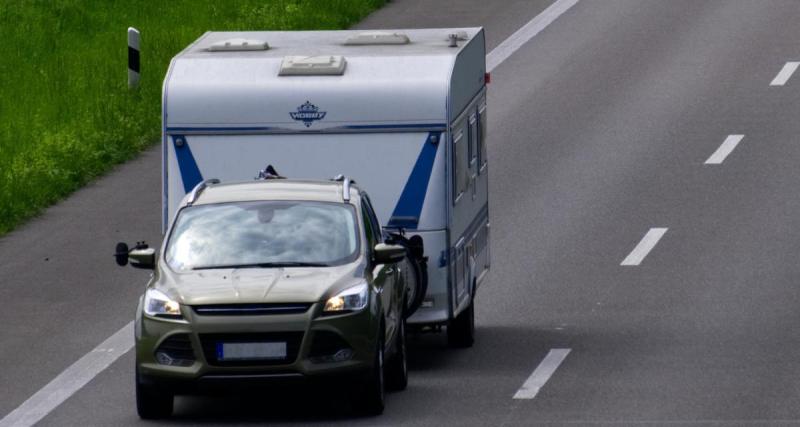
(384, 275)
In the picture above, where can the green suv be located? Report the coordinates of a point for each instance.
(266, 281)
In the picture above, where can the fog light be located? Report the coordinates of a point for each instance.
(164, 359)
(342, 355)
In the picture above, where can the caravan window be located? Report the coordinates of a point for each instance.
(459, 165)
(473, 140)
(482, 158)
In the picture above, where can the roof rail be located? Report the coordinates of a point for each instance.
(346, 183)
(346, 189)
(199, 189)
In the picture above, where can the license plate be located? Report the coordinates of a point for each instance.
(251, 351)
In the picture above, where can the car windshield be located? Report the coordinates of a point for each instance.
(262, 234)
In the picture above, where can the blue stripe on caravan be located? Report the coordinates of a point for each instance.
(409, 206)
(190, 173)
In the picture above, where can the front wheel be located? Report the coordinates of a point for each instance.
(397, 368)
(461, 330)
(152, 403)
(371, 395)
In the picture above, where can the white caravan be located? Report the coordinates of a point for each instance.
(401, 112)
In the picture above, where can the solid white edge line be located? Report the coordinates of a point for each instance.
(87, 367)
(71, 380)
(510, 45)
(644, 247)
(531, 387)
(724, 150)
(785, 73)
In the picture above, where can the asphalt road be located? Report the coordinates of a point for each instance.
(599, 131)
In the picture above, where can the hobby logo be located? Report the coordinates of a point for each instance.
(308, 113)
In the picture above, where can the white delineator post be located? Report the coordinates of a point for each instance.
(133, 57)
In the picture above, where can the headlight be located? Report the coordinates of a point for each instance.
(157, 304)
(350, 299)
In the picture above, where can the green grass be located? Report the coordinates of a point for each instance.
(66, 113)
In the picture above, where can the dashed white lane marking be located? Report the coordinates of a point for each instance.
(542, 373)
(644, 247)
(82, 371)
(71, 380)
(785, 73)
(527, 32)
(722, 152)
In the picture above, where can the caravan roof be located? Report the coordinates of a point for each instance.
(238, 84)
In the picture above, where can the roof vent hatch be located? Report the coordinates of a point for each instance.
(458, 35)
(322, 65)
(238, 44)
(377, 37)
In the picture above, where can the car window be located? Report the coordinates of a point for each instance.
(368, 228)
(264, 232)
(373, 218)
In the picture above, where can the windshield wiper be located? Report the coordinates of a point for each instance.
(263, 265)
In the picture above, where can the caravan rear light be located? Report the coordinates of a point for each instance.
(312, 65)
(377, 37)
(487, 78)
(232, 45)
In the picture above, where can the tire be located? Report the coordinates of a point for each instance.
(151, 403)
(397, 368)
(415, 270)
(416, 291)
(372, 393)
(461, 330)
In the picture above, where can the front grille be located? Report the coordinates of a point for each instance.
(251, 309)
(292, 340)
(178, 349)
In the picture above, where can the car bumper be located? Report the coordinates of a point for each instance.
(311, 342)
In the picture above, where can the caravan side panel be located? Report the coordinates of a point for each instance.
(468, 256)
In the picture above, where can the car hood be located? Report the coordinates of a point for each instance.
(256, 285)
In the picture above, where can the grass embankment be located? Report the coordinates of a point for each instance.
(66, 113)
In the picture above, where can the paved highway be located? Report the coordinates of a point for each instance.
(645, 217)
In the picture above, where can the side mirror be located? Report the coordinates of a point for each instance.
(389, 254)
(141, 256)
(121, 254)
